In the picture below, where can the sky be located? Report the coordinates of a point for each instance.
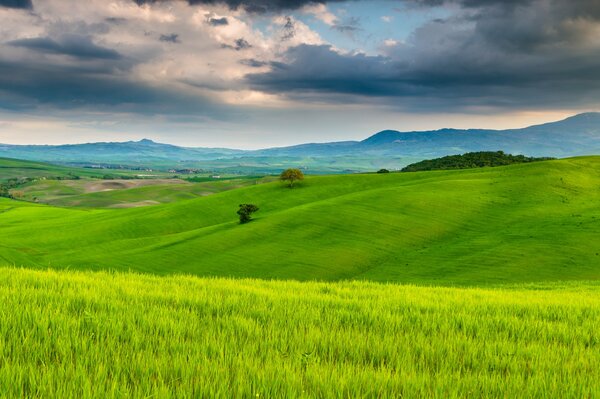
(260, 73)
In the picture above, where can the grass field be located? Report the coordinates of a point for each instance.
(87, 193)
(16, 169)
(522, 223)
(110, 335)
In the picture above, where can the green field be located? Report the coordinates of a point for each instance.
(18, 169)
(86, 193)
(521, 223)
(107, 335)
(505, 261)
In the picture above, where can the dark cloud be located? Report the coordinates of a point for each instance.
(289, 29)
(24, 4)
(172, 38)
(253, 6)
(489, 53)
(238, 45)
(116, 20)
(254, 63)
(446, 70)
(72, 45)
(349, 27)
(320, 69)
(218, 21)
(97, 87)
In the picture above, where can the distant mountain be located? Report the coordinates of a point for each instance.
(577, 135)
(128, 152)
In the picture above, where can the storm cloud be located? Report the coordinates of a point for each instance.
(25, 4)
(73, 45)
(507, 54)
(256, 6)
(184, 59)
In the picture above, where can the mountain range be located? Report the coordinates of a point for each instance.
(577, 135)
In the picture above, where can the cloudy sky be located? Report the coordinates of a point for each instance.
(259, 73)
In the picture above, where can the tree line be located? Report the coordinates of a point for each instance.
(471, 160)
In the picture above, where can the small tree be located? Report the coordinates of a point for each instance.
(383, 171)
(245, 212)
(291, 175)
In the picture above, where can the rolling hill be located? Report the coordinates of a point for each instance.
(20, 169)
(577, 135)
(520, 223)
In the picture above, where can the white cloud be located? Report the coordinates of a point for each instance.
(321, 12)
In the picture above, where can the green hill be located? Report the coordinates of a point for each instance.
(20, 169)
(521, 223)
(111, 335)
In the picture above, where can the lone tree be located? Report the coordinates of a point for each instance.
(383, 171)
(245, 212)
(291, 175)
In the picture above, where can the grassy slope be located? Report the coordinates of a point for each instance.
(80, 335)
(16, 168)
(520, 223)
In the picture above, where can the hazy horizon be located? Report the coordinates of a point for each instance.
(137, 139)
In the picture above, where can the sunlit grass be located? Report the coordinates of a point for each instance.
(82, 334)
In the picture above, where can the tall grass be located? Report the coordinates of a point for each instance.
(82, 334)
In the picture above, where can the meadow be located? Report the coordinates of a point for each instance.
(520, 223)
(109, 335)
(86, 193)
(17, 168)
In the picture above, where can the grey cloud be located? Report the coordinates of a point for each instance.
(218, 21)
(507, 54)
(254, 6)
(116, 20)
(420, 79)
(320, 69)
(289, 29)
(97, 87)
(72, 45)
(350, 26)
(238, 45)
(253, 63)
(172, 38)
(24, 4)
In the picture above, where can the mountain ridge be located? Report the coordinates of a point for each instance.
(575, 135)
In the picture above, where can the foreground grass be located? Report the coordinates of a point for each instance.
(83, 334)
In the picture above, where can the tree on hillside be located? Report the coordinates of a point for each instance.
(291, 175)
(245, 212)
(383, 171)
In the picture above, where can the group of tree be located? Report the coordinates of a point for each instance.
(289, 176)
(7, 187)
(471, 160)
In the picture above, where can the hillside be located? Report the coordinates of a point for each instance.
(73, 335)
(20, 169)
(521, 223)
(391, 149)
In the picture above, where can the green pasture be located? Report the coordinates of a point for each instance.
(74, 194)
(520, 223)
